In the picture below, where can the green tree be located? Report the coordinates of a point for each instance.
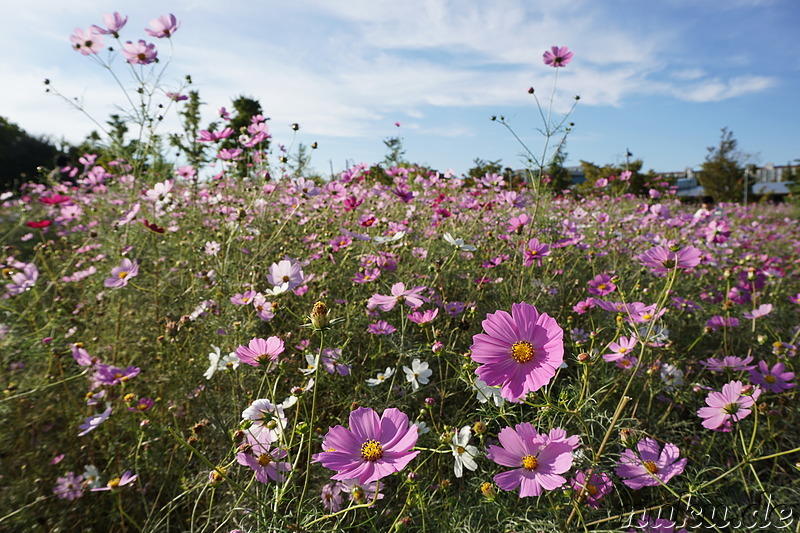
(559, 178)
(635, 184)
(21, 155)
(722, 174)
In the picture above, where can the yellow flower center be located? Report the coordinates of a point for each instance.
(522, 351)
(602, 286)
(371, 450)
(622, 349)
(358, 495)
(114, 483)
(530, 462)
(460, 450)
(122, 275)
(591, 489)
(731, 408)
(769, 378)
(651, 467)
(264, 459)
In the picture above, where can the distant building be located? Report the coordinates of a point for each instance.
(765, 181)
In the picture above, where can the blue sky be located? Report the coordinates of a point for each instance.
(658, 78)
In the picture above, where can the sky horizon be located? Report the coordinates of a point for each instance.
(660, 80)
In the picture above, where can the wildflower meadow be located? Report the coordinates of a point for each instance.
(217, 341)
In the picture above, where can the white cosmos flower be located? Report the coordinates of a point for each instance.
(463, 452)
(383, 240)
(418, 374)
(312, 361)
(486, 393)
(218, 362)
(459, 243)
(381, 377)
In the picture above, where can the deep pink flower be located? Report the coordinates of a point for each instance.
(139, 53)
(535, 252)
(520, 351)
(775, 379)
(651, 466)
(372, 448)
(597, 487)
(716, 322)
(122, 274)
(537, 459)
(557, 56)
(163, 26)
(260, 351)
(729, 405)
(87, 42)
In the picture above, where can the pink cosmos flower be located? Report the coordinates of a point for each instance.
(620, 349)
(729, 362)
(761, 310)
(419, 317)
(601, 285)
(538, 459)
(520, 351)
(163, 26)
(87, 42)
(264, 461)
(716, 322)
(381, 327)
(122, 274)
(139, 53)
(535, 252)
(412, 297)
(331, 496)
(729, 405)
(651, 466)
(515, 224)
(127, 478)
(114, 22)
(662, 259)
(360, 493)
(23, 280)
(597, 487)
(260, 351)
(774, 379)
(557, 56)
(372, 448)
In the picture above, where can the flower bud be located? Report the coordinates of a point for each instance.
(487, 489)
(319, 316)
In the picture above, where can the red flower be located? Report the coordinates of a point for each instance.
(39, 224)
(153, 227)
(55, 199)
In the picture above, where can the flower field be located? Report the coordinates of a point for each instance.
(252, 350)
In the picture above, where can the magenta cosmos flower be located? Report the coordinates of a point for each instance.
(557, 56)
(265, 461)
(729, 405)
(774, 379)
(122, 274)
(260, 351)
(537, 459)
(114, 22)
(651, 466)
(372, 448)
(520, 352)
